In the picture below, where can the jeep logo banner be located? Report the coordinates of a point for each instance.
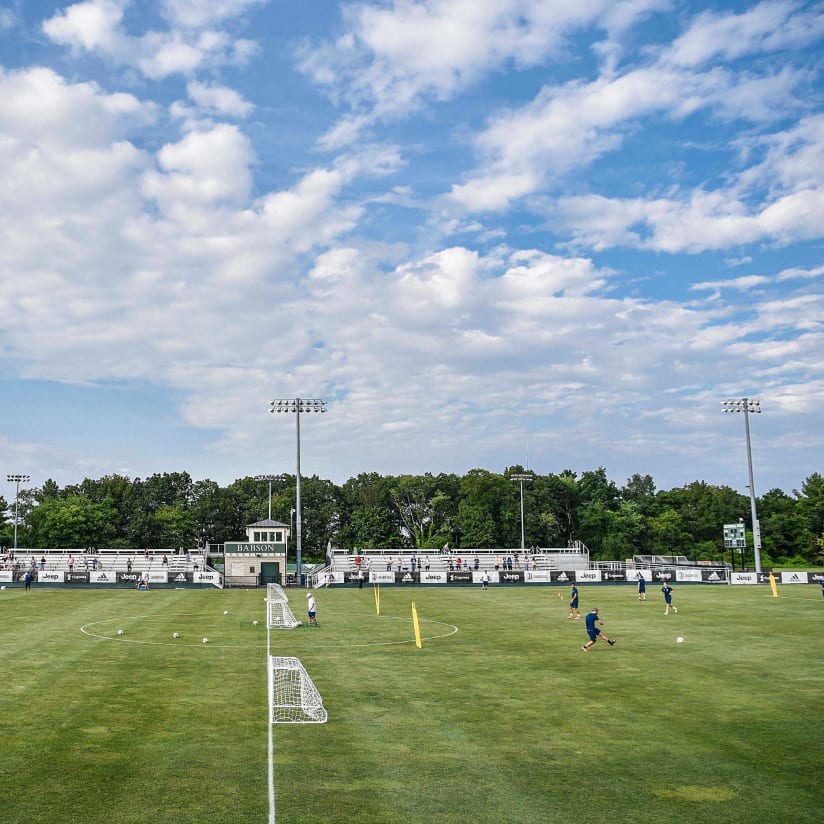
(587, 576)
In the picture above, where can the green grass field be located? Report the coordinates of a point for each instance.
(503, 720)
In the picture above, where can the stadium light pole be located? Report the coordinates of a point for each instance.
(297, 405)
(747, 405)
(17, 479)
(521, 478)
(269, 478)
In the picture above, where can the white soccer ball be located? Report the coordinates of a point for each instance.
(679, 640)
(175, 635)
(254, 623)
(205, 640)
(225, 611)
(120, 632)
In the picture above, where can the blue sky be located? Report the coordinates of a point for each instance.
(511, 232)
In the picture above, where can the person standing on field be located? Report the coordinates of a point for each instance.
(594, 633)
(667, 590)
(642, 588)
(573, 604)
(485, 580)
(312, 609)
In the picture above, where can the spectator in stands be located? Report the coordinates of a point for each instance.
(477, 563)
(426, 563)
(388, 564)
(129, 565)
(71, 562)
(165, 561)
(413, 562)
(446, 549)
(509, 563)
(497, 562)
(400, 563)
(573, 604)
(591, 620)
(311, 609)
(43, 562)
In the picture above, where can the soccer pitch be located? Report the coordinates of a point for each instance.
(500, 717)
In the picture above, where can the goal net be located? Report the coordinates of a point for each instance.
(294, 698)
(274, 592)
(278, 614)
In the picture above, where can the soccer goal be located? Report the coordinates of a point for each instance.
(294, 699)
(278, 614)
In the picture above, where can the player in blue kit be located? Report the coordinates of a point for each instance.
(573, 604)
(667, 590)
(642, 588)
(592, 630)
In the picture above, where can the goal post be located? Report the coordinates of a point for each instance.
(294, 699)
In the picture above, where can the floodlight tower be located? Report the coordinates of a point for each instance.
(521, 478)
(17, 479)
(297, 405)
(269, 478)
(747, 405)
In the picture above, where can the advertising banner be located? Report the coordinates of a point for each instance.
(205, 578)
(381, 577)
(743, 578)
(459, 577)
(6, 575)
(562, 576)
(688, 575)
(406, 577)
(432, 577)
(513, 577)
(538, 576)
(101, 577)
(77, 577)
(128, 578)
(714, 576)
(614, 576)
(158, 576)
(794, 577)
(664, 574)
(54, 576)
(635, 574)
(587, 576)
(180, 578)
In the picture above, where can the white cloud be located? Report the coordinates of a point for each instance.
(765, 27)
(391, 58)
(98, 26)
(219, 100)
(200, 13)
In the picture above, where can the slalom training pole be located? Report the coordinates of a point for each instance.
(417, 626)
(377, 589)
(773, 586)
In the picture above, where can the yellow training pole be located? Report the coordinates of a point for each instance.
(417, 626)
(774, 587)
(377, 599)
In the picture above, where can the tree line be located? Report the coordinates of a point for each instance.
(479, 509)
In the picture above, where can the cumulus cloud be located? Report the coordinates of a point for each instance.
(97, 26)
